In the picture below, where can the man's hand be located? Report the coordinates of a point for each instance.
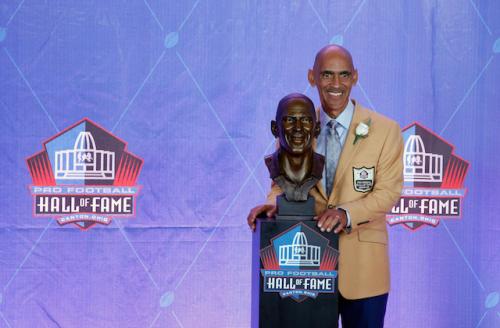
(332, 218)
(268, 209)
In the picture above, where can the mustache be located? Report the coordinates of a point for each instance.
(302, 137)
(299, 134)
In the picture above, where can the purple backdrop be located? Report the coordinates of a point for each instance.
(192, 86)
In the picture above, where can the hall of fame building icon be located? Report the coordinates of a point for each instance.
(85, 160)
(433, 180)
(299, 253)
(420, 165)
(85, 176)
(299, 263)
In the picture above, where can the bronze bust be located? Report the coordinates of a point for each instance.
(295, 167)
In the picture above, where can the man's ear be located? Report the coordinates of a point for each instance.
(355, 76)
(310, 78)
(274, 128)
(317, 129)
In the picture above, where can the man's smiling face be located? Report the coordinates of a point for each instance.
(334, 76)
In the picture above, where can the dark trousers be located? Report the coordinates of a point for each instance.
(363, 313)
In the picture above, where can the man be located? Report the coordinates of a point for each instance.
(362, 181)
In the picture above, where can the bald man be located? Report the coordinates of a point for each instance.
(362, 180)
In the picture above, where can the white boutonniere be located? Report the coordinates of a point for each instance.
(362, 130)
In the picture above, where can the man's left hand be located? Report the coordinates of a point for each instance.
(332, 218)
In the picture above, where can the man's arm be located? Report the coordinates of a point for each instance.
(269, 208)
(273, 193)
(388, 183)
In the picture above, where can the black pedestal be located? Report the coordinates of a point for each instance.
(294, 280)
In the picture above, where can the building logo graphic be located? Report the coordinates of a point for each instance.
(433, 180)
(299, 253)
(85, 160)
(299, 264)
(363, 178)
(84, 176)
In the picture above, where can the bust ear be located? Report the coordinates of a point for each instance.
(317, 129)
(274, 129)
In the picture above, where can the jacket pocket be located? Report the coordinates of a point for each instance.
(372, 236)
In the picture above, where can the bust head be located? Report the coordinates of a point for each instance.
(295, 124)
(295, 167)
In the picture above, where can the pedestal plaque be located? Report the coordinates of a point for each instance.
(294, 276)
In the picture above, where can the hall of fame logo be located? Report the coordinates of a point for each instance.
(84, 176)
(299, 264)
(433, 180)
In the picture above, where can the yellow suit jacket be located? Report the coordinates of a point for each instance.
(364, 260)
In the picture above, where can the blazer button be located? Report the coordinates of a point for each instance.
(330, 206)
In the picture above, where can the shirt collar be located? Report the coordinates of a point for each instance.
(344, 119)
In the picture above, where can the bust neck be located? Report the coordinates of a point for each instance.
(296, 168)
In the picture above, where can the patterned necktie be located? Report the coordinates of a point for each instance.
(332, 154)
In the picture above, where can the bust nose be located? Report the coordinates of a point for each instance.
(298, 125)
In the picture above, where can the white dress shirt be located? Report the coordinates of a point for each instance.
(344, 121)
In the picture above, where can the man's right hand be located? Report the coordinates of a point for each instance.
(268, 209)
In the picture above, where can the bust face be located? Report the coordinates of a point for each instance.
(296, 127)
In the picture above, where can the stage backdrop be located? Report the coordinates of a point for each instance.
(180, 94)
